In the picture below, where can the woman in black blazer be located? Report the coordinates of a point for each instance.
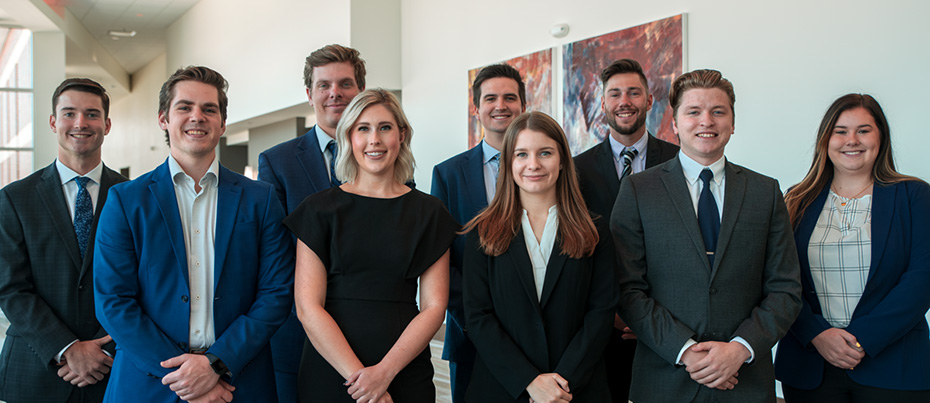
(540, 288)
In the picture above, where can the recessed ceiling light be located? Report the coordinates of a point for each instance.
(116, 34)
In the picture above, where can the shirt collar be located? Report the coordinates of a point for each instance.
(67, 174)
(692, 169)
(616, 147)
(488, 152)
(175, 169)
(322, 137)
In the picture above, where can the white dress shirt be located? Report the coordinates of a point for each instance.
(198, 220)
(692, 171)
(639, 162)
(540, 251)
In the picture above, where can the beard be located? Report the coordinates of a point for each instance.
(625, 130)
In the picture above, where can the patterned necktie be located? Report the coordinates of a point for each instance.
(83, 213)
(333, 151)
(627, 157)
(494, 164)
(708, 216)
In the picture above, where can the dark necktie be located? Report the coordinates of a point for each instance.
(333, 151)
(708, 216)
(627, 158)
(83, 213)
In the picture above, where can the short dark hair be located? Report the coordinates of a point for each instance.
(335, 54)
(495, 71)
(84, 85)
(623, 66)
(200, 74)
(707, 79)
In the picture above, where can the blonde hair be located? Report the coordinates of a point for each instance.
(346, 165)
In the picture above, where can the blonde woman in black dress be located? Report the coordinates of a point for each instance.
(362, 247)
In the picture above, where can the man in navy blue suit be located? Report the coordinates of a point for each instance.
(465, 183)
(298, 168)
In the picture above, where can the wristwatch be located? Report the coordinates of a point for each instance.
(218, 366)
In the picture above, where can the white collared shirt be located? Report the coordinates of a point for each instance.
(323, 138)
(70, 188)
(490, 169)
(639, 162)
(198, 220)
(540, 251)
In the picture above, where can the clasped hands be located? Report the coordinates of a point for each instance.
(715, 364)
(84, 362)
(549, 388)
(195, 381)
(839, 347)
(369, 384)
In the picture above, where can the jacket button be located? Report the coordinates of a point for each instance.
(184, 298)
(713, 291)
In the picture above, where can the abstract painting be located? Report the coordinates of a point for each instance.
(536, 70)
(657, 46)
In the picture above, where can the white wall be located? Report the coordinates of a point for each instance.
(135, 140)
(788, 61)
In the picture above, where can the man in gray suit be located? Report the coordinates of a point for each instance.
(709, 271)
(55, 350)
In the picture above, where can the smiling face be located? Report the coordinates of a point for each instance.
(704, 123)
(376, 140)
(625, 103)
(80, 125)
(536, 164)
(498, 105)
(332, 88)
(854, 142)
(193, 120)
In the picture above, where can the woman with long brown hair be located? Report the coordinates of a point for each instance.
(540, 289)
(863, 236)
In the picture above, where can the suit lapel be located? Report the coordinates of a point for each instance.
(883, 202)
(227, 198)
(605, 163)
(524, 268)
(107, 178)
(653, 153)
(162, 189)
(674, 180)
(553, 270)
(311, 160)
(53, 198)
(732, 205)
(473, 172)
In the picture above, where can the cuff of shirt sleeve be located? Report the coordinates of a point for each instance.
(752, 354)
(688, 343)
(61, 353)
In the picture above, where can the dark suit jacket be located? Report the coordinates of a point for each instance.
(889, 320)
(46, 289)
(459, 183)
(519, 336)
(597, 175)
(142, 292)
(670, 293)
(296, 168)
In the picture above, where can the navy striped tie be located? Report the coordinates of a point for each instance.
(627, 157)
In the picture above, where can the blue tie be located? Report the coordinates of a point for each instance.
(83, 213)
(708, 216)
(333, 151)
(494, 163)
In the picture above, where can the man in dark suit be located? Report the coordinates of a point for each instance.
(55, 350)
(628, 149)
(193, 271)
(298, 168)
(466, 183)
(709, 271)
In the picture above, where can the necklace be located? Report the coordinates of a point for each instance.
(850, 198)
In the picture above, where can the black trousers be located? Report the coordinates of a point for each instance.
(837, 387)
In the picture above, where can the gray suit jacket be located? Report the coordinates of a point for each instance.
(46, 289)
(670, 293)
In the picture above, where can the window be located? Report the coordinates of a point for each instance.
(16, 93)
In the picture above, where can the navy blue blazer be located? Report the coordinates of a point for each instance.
(296, 168)
(459, 183)
(889, 320)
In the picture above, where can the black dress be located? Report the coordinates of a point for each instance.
(374, 250)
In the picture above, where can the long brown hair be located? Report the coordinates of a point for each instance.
(498, 224)
(820, 175)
